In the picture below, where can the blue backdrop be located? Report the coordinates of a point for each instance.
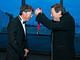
(13, 6)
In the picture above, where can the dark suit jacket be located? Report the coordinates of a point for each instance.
(62, 34)
(16, 40)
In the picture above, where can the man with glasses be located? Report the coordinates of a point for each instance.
(17, 43)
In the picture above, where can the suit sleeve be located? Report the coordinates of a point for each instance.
(62, 25)
(25, 44)
(26, 41)
(12, 30)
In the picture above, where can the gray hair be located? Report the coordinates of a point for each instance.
(26, 8)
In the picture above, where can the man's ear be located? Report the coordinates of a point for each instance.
(23, 12)
(59, 12)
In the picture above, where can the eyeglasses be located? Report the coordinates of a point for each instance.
(29, 13)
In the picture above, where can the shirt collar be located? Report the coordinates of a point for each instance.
(22, 21)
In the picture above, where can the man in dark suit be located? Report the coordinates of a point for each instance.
(17, 43)
(63, 30)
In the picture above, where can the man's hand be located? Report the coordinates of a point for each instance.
(37, 11)
(26, 52)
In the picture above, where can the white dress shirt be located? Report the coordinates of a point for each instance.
(23, 25)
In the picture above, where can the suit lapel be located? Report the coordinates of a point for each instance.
(20, 23)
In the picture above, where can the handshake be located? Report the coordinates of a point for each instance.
(37, 11)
